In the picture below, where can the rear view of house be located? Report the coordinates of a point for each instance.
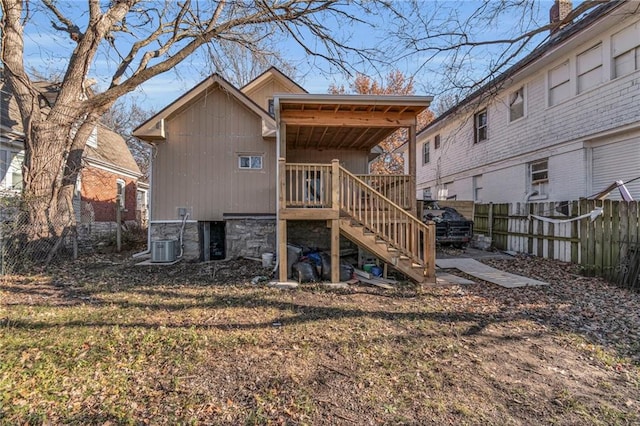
(241, 172)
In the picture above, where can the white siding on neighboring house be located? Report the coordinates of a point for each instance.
(551, 111)
(11, 168)
(617, 161)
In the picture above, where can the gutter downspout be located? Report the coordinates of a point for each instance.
(184, 222)
(276, 108)
(149, 209)
(527, 196)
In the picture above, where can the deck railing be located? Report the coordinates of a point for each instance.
(308, 185)
(385, 219)
(330, 186)
(397, 188)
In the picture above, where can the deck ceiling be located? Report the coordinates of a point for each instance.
(357, 122)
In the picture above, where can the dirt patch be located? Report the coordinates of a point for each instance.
(102, 340)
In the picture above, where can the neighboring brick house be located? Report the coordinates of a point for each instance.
(562, 123)
(109, 172)
(109, 169)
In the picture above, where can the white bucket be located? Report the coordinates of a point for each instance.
(267, 260)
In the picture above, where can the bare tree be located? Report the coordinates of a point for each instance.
(462, 49)
(390, 160)
(240, 64)
(123, 117)
(143, 39)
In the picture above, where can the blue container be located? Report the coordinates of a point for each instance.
(376, 271)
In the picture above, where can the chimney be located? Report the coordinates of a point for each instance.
(558, 13)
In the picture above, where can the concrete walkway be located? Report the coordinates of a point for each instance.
(487, 273)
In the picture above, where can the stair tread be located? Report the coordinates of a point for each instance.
(368, 239)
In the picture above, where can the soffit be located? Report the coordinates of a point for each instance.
(357, 122)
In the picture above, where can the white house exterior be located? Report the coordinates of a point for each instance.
(561, 124)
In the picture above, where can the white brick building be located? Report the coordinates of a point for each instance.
(561, 124)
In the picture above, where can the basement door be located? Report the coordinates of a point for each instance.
(213, 240)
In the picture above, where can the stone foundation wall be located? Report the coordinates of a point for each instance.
(250, 237)
(101, 230)
(171, 231)
(313, 234)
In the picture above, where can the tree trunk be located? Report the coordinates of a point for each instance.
(48, 198)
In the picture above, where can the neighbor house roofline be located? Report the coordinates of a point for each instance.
(112, 168)
(559, 38)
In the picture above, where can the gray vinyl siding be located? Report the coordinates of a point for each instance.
(197, 166)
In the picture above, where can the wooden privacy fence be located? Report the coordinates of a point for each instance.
(602, 247)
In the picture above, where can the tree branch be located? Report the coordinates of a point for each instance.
(67, 25)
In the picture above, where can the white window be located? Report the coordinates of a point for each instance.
(559, 87)
(516, 104)
(443, 192)
(92, 141)
(626, 50)
(425, 153)
(141, 199)
(539, 176)
(436, 142)
(271, 107)
(477, 188)
(426, 194)
(250, 162)
(589, 64)
(480, 126)
(121, 193)
(11, 169)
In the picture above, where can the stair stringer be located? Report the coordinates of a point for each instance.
(382, 250)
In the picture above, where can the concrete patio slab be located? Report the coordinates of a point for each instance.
(487, 273)
(445, 278)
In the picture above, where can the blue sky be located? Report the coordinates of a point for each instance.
(46, 50)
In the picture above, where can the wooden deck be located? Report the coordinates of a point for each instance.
(376, 212)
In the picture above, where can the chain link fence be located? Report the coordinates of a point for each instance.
(18, 252)
(21, 254)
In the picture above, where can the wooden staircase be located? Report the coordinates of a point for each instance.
(368, 240)
(385, 229)
(363, 210)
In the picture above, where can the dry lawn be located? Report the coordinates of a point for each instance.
(105, 342)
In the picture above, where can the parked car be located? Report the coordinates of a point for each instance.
(451, 227)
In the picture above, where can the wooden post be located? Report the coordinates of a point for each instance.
(412, 171)
(282, 251)
(335, 223)
(430, 252)
(282, 224)
(118, 227)
(490, 223)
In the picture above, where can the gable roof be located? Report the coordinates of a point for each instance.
(152, 130)
(558, 39)
(10, 120)
(112, 152)
(272, 73)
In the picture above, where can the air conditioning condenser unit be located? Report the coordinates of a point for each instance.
(163, 251)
